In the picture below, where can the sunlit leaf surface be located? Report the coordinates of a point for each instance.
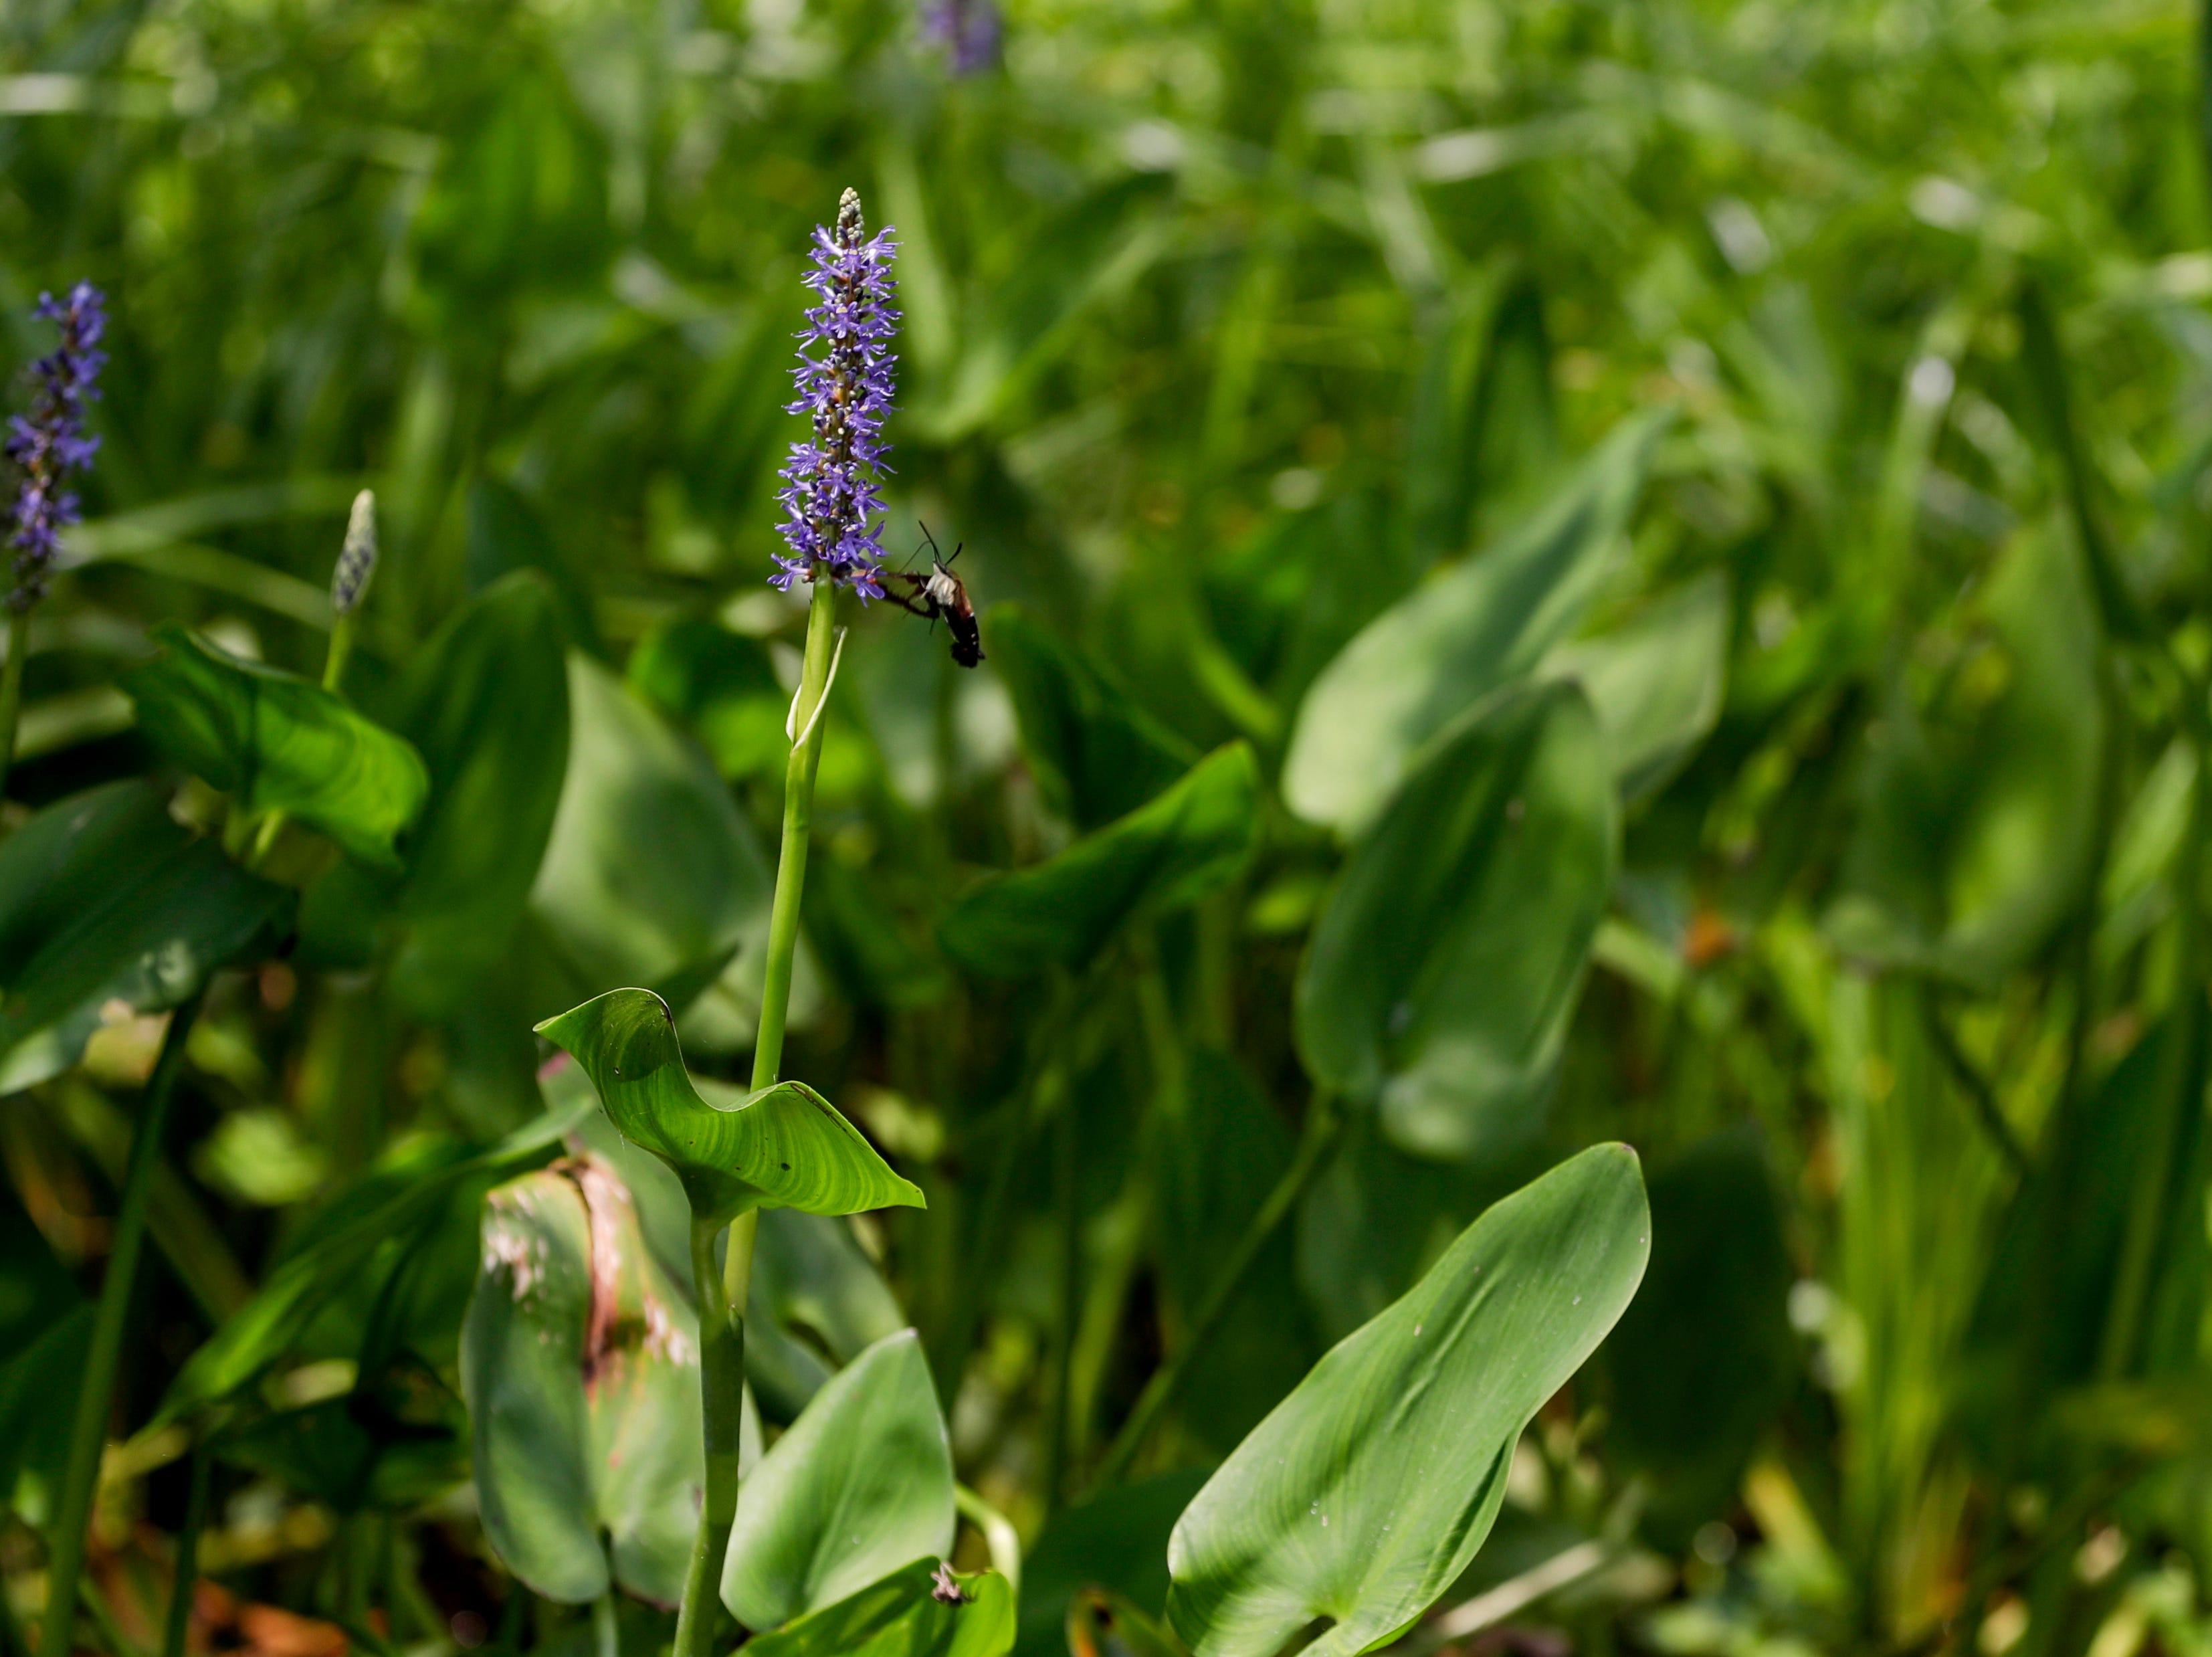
(1369, 1489)
(860, 1485)
(784, 1146)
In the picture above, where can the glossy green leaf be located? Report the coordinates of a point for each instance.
(1430, 657)
(1095, 754)
(1366, 1492)
(1978, 815)
(107, 903)
(334, 1249)
(1656, 682)
(579, 1361)
(817, 1300)
(277, 742)
(1441, 978)
(486, 703)
(860, 1485)
(1161, 857)
(651, 875)
(904, 1615)
(784, 1146)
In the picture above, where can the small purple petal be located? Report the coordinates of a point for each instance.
(49, 443)
(829, 492)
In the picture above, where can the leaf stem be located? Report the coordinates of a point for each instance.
(11, 689)
(722, 1293)
(88, 1433)
(1323, 1129)
(334, 665)
(188, 1551)
(721, 1399)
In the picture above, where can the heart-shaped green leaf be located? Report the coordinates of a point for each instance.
(1366, 1492)
(579, 1361)
(1430, 656)
(1161, 857)
(275, 742)
(784, 1146)
(486, 702)
(907, 1614)
(1442, 976)
(861, 1484)
(1095, 754)
(107, 903)
(1656, 682)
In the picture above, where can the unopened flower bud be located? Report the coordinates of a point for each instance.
(357, 556)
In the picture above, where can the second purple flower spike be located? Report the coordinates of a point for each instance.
(832, 484)
(48, 444)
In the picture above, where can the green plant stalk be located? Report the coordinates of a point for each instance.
(1323, 1126)
(188, 1551)
(798, 824)
(11, 689)
(721, 1392)
(723, 1293)
(334, 665)
(89, 1432)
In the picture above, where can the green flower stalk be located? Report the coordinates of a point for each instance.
(831, 499)
(349, 579)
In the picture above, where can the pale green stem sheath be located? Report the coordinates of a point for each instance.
(1000, 1536)
(721, 1392)
(1322, 1124)
(88, 1433)
(11, 689)
(798, 823)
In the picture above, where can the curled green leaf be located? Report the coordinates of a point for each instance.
(784, 1146)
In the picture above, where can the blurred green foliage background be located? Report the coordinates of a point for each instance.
(1227, 323)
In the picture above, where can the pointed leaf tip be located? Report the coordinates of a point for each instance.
(783, 1147)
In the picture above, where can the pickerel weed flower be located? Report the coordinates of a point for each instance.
(832, 486)
(48, 444)
(970, 31)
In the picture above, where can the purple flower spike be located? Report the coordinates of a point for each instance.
(970, 31)
(832, 484)
(49, 443)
